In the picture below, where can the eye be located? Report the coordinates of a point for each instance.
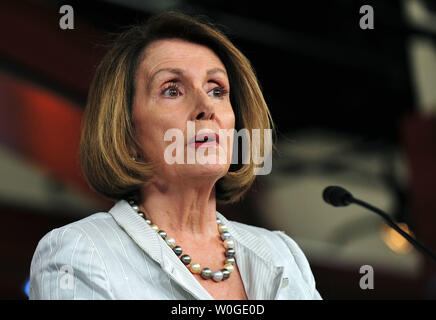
(171, 91)
(218, 92)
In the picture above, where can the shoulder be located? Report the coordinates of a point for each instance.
(72, 249)
(281, 249)
(91, 229)
(97, 235)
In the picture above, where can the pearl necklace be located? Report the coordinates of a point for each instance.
(195, 268)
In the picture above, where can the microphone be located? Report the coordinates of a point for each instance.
(340, 197)
(337, 196)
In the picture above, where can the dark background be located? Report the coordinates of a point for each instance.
(316, 66)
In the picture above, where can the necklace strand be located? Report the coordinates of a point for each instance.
(195, 268)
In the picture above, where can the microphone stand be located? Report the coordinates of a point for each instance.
(391, 223)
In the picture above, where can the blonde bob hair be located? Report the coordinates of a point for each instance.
(108, 133)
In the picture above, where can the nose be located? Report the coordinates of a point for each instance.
(204, 116)
(205, 110)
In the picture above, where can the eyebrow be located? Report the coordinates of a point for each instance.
(180, 73)
(216, 70)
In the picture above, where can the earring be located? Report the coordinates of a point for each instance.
(133, 158)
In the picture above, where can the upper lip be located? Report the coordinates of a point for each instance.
(211, 136)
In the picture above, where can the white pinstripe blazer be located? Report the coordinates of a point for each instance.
(116, 255)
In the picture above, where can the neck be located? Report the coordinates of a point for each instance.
(181, 209)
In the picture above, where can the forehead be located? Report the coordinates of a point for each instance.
(178, 53)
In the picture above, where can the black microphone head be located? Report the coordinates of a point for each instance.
(337, 196)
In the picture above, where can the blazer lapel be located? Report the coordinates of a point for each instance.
(262, 279)
(135, 226)
(153, 245)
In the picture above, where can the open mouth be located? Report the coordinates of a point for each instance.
(206, 139)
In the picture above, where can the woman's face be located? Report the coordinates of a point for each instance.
(178, 82)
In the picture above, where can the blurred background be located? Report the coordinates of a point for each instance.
(353, 107)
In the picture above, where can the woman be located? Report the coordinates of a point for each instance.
(164, 239)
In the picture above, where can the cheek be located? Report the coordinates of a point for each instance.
(152, 135)
(229, 118)
(148, 134)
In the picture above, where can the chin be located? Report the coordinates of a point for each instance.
(209, 170)
(213, 169)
